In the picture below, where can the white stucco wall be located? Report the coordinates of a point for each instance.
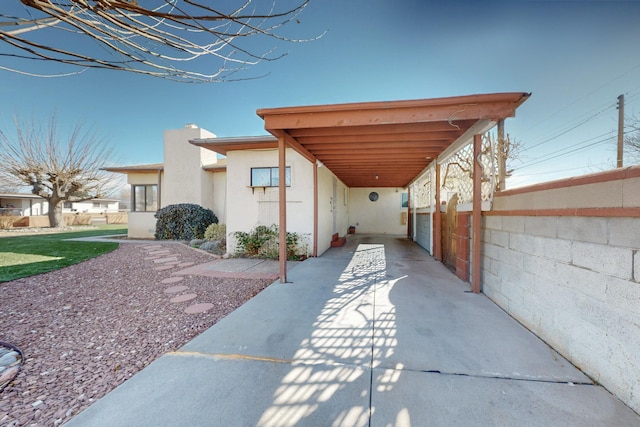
(185, 179)
(247, 207)
(326, 206)
(37, 207)
(32, 207)
(24, 207)
(144, 178)
(219, 191)
(383, 216)
(142, 225)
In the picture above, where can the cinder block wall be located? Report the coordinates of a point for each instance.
(568, 268)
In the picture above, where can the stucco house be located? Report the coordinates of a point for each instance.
(93, 206)
(563, 257)
(188, 175)
(237, 178)
(21, 204)
(345, 165)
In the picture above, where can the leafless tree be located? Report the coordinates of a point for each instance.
(184, 40)
(632, 141)
(55, 168)
(8, 186)
(507, 150)
(504, 152)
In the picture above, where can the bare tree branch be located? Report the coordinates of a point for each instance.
(506, 152)
(183, 40)
(55, 168)
(632, 141)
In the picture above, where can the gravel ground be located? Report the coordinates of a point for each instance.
(87, 328)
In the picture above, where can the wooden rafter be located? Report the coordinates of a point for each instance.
(393, 141)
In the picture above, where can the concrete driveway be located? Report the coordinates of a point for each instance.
(375, 333)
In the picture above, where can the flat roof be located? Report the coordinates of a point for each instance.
(154, 167)
(224, 145)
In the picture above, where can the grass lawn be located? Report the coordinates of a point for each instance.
(23, 256)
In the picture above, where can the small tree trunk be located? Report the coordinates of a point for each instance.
(55, 214)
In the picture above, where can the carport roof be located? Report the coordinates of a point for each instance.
(379, 144)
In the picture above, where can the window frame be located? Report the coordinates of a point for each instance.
(149, 206)
(273, 176)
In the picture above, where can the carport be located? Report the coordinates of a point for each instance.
(388, 144)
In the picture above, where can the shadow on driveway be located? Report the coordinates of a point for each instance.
(373, 333)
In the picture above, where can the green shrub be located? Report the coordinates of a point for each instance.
(255, 242)
(183, 221)
(263, 242)
(215, 232)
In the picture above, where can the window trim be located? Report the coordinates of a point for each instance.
(147, 208)
(273, 177)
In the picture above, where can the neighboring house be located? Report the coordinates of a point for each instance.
(20, 204)
(93, 206)
(23, 204)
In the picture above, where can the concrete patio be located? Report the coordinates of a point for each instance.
(375, 333)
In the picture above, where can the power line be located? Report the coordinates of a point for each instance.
(572, 145)
(569, 129)
(579, 145)
(570, 169)
(563, 152)
(584, 96)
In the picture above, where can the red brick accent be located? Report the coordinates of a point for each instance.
(597, 212)
(463, 237)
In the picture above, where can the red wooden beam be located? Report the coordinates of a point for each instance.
(476, 225)
(282, 189)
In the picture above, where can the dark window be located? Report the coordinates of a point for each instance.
(268, 177)
(145, 198)
(67, 205)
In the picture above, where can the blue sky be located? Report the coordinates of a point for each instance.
(575, 57)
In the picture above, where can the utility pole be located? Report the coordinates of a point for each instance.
(620, 130)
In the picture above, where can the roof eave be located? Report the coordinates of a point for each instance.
(151, 168)
(224, 145)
